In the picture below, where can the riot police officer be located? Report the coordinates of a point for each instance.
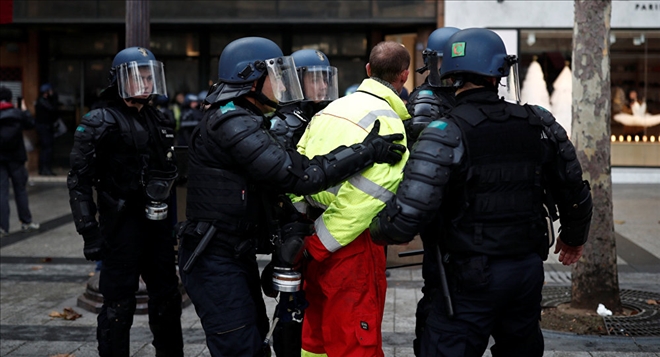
(435, 96)
(124, 152)
(236, 171)
(429, 102)
(318, 80)
(487, 177)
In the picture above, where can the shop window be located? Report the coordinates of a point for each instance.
(83, 44)
(175, 44)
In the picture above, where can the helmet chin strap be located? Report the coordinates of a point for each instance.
(142, 101)
(260, 97)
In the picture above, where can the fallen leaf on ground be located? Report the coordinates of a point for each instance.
(37, 267)
(47, 260)
(67, 314)
(652, 302)
(618, 221)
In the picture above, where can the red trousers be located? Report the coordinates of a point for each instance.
(346, 294)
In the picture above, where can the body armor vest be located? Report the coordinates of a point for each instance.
(217, 191)
(499, 195)
(125, 170)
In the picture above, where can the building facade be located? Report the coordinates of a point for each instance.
(70, 44)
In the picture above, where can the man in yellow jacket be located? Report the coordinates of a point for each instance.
(345, 279)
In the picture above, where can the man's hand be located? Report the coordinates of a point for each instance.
(93, 248)
(386, 151)
(567, 254)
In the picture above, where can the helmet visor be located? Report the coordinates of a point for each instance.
(284, 79)
(319, 83)
(510, 89)
(434, 63)
(141, 80)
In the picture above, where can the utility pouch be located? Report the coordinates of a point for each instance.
(472, 273)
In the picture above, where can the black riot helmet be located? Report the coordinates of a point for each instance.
(474, 53)
(137, 74)
(434, 53)
(318, 78)
(250, 59)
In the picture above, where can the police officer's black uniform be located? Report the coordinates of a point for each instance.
(123, 153)
(481, 178)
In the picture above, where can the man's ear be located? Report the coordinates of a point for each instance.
(368, 67)
(404, 75)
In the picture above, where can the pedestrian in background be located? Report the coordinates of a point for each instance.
(46, 114)
(13, 120)
(486, 177)
(345, 281)
(238, 173)
(124, 153)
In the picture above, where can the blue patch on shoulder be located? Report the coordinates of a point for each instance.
(86, 115)
(426, 92)
(80, 128)
(439, 124)
(227, 107)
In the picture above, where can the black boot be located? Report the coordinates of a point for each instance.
(165, 325)
(114, 328)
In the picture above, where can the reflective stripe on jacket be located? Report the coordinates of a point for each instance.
(350, 207)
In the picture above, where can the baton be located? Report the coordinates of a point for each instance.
(410, 253)
(199, 249)
(443, 283)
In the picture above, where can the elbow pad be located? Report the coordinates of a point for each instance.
(331, 169)
(425, 110)
(419, 195)
(575, 217)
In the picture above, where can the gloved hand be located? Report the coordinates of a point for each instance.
(290, 250)
(93, 248)
(385, 150)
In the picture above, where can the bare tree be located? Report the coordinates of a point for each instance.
(595, 277)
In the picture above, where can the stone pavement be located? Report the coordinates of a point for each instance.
(44, 271)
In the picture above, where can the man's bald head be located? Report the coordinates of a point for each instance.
(388, 59)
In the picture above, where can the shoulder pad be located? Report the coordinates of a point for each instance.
(546, 117)
(444, 131)
(230, 124)
(551, 127)
(97, 117)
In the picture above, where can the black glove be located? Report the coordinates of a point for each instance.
(385, 150)
(290, 250)
(93, 248)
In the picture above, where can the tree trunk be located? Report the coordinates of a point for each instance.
(594, 278)
(137, 23)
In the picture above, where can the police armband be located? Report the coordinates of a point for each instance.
(420, 193)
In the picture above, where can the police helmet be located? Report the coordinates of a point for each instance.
(189, 98)
(478, 51)
(45, 88)
(137, 74)
(437, 40)
(318, 78)
(248, 59)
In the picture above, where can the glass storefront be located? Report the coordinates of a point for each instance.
(634, 66)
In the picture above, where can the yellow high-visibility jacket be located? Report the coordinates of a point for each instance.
(350, 206)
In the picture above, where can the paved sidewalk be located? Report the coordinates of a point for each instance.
(44, 271)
